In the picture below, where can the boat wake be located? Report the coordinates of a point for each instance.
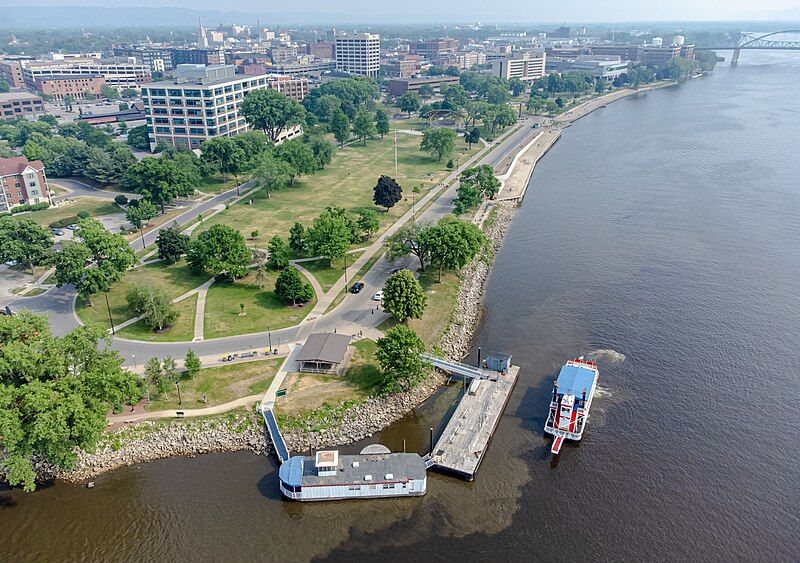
(606, 353)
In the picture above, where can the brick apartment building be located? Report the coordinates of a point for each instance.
(11, 72)
(20, 104)
(21, 182)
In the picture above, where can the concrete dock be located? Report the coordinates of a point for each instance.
(465, 440)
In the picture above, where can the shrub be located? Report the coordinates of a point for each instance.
(121, 200)
(29, 207)
(83, 214)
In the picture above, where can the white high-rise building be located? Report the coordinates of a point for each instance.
(526, 66)
(358, 53)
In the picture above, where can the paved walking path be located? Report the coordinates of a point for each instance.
(200, 310)
(268, 401)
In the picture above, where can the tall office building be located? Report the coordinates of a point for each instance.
(526, 66)
(358, 53)
(200, 103)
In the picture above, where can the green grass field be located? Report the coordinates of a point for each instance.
(96, 208)
(347, 182)
(263, 310)
(175, 280)
(181, 331)
(329, 275)
(220, 384)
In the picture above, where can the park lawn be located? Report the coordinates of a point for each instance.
(347, 182)
(220, 384)
(442, 301)
(181, 331)
(215, 184)
(95, 206)
(329, 275)
(174, 279)
(263, 310)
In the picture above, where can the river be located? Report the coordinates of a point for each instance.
(662, 236)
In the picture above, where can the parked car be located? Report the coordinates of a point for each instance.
(357, 287)
(378, 296)
(58, 232)
(72, 227)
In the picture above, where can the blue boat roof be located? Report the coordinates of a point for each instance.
(291, 471)
(575, 379)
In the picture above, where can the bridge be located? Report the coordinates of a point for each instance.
(751, 41)
(275, 435)
(456, 368)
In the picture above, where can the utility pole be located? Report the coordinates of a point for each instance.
(110, 320)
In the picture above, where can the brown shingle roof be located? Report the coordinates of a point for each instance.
(324, 347)
(15, 165)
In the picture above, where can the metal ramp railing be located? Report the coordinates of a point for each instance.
(455, 367)
(275, 435)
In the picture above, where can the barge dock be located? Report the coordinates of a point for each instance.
(465, 439)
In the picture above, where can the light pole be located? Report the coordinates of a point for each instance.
(178, 387)
(395, 153)
(345, 270)
(141, 232)
(269, 335)
(110, 320)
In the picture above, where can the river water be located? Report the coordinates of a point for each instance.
(662, 236)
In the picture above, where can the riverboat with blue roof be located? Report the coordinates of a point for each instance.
(573, 391)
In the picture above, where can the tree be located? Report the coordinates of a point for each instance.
(409, 239)
(340, 127)
(364, 125)
(368, 222)
(329, 237)
(96, 261)
(253, 145)
(381, 122)
(55, 393)
(468, 196)
(409, 102)
(224, 155)
(273, 174)
(399, 354)
(152, 371)
(192, 364)
(129, 93)
(298, 156)
(298, 239)
(68, 101)
(172, 244)
(322, 150)
(221, 251)
(516, 86)
(452, 243)
(455, 97)
(109, 92)
(153, 305)
(4, 86)
(503, 117)
(496, 94)
(160, 180)
(290, 287)
(139, 138)
(425, 91)
(387, 192)
(403, 296)
(278, 253)
(474, 110)
(438, 140)
(473, 137)
(24, 241)
(138, 215)
(271, 112)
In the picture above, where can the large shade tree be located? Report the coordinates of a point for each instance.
(271, 112)
(22, 240)
(220, 251)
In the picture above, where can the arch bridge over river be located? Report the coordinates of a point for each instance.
(773, 41)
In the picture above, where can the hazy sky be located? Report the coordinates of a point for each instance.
(462, 10)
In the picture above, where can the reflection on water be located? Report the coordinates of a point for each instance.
(662, 236)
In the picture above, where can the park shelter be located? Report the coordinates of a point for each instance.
(324, 353)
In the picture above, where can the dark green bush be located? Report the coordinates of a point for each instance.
(63, 222)
(29, 207)
(83, 214)
(121, 200)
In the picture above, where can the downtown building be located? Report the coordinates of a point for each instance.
(199, 104)
(159, 59)
(527, 66)
(115, 73)
(358, 53)
(20, 104)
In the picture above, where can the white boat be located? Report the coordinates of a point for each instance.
(573, 391)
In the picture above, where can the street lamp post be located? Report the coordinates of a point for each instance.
(178, 387)
(345, 270)
(269, 335)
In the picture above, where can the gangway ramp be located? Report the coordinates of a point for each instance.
(275, 435)
(456, 367)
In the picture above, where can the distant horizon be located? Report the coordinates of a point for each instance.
(114, 13)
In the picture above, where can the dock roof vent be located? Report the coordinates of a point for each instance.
(367, 477)
(389, 476)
